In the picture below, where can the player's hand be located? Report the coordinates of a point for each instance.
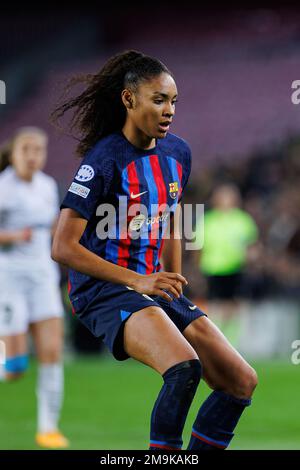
(158, 283)
(24, 235)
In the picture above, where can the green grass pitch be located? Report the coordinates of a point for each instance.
(108, 406)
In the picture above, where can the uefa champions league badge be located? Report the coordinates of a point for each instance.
(85, 173)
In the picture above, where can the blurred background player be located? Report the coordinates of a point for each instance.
(229, 231)
(29, 280)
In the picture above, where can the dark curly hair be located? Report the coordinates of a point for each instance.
(98, 110)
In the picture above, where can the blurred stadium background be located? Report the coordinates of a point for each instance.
(234, 72)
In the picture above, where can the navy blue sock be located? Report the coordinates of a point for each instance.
(216, 420)
(172, 405)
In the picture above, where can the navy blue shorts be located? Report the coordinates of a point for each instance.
(106, 314)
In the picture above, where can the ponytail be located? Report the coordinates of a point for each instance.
(98, 110)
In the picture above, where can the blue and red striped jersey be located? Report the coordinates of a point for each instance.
(127, 196)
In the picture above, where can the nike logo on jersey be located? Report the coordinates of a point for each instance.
(133, 196)
(192, 307)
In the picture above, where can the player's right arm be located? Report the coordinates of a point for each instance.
(9, 237)
(67, 250)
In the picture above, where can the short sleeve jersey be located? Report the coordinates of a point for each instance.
(32, 204)
(127, 195)
(224, 251)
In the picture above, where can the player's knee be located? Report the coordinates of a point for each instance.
(252, 380)
(186, 374)
(247, 383)
(50, 354)
(50, 357)
(15, 367)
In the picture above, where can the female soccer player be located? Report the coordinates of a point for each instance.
(117, 286)
(29, 282)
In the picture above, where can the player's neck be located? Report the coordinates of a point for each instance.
(137, 138)
(27, 177)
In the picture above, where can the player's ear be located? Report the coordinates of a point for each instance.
(127, 98)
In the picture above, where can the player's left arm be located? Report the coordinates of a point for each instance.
(53, 227)
(172, 251)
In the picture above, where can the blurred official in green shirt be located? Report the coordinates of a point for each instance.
(228, 233)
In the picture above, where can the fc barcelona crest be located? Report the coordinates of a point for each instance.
(173, 189)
